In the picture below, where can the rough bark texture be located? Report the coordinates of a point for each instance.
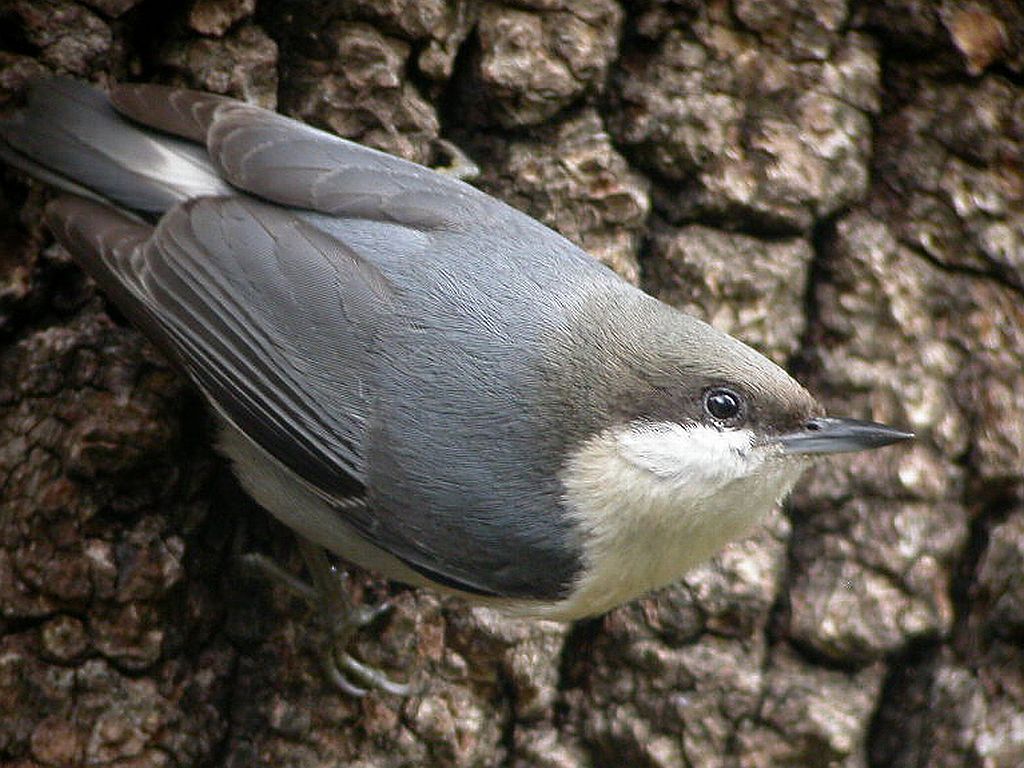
(839, 183)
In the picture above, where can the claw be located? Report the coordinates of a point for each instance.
(341, 618)
(460, 165)
(374, 678)
(332, 671)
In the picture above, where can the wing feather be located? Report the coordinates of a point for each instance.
(261, 308)
(316, 328)
(279, 309)
(296, 165)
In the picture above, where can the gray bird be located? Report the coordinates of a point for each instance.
(407, 371)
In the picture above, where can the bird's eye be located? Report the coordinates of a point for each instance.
(723, 404)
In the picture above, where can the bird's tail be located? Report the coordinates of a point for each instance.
(70, 136)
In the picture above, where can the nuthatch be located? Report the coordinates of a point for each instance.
(407, 371)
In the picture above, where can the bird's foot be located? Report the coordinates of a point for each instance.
(340, 617)
(460, 165)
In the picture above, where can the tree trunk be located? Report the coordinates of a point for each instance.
(838, 183)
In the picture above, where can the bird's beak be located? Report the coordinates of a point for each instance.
(830, 435)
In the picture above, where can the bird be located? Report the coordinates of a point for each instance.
(409, 373)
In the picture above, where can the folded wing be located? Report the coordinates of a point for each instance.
(263, 310)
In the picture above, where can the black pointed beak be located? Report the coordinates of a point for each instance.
(830, 435)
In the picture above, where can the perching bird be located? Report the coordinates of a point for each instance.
(407, 371)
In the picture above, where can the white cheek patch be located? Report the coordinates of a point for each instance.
(650, 501)
(695, 454)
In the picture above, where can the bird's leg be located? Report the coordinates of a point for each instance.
(341, 619)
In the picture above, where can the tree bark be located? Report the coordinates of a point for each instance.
(838, 183)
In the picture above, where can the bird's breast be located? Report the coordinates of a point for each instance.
(642, 529)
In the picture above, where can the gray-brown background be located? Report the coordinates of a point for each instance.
(839, 183)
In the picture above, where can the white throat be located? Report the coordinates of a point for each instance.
(654, 500)
(698, 459)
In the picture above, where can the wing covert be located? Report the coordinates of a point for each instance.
(276, 321)
(294, 164)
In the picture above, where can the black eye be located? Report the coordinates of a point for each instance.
(723, 404)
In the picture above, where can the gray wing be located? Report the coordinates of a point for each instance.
(296, 165)
(273, 319)
(312, 352)
(316, 328)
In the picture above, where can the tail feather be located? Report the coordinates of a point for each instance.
(42, 173)
(70, 135)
